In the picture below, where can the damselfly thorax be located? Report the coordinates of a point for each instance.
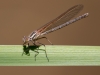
(32, 37)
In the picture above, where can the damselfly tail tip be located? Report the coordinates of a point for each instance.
(87, 14)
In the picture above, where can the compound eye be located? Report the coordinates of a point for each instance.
(24, 38)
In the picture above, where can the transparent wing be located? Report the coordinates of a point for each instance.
(66, 16)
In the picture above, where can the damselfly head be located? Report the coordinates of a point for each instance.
(25, 40)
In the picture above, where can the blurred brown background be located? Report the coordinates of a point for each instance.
(21, 17)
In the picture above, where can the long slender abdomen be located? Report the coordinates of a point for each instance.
(66, 23)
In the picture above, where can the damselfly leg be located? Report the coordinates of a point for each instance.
(42, 49)
(45, 38)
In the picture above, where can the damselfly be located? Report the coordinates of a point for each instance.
(58, 23)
